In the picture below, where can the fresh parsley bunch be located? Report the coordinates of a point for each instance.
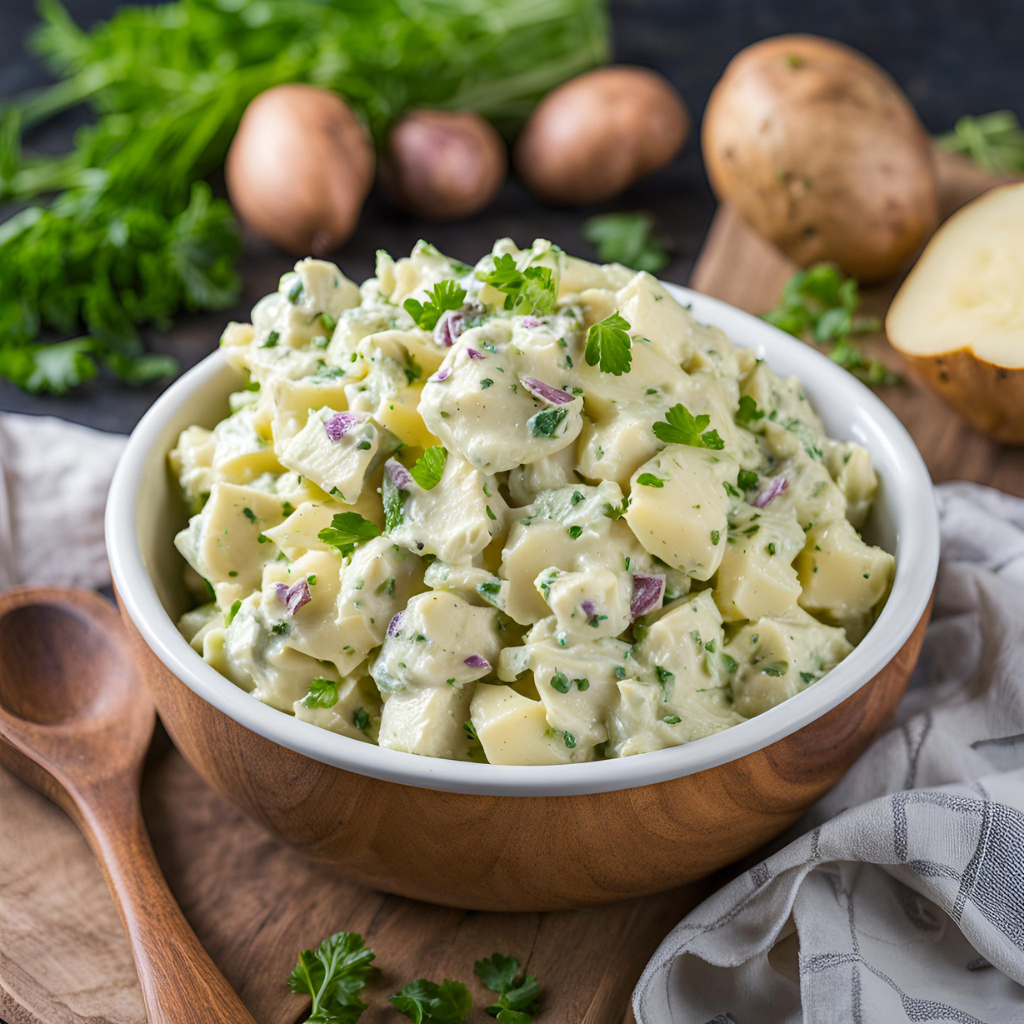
(128, 238)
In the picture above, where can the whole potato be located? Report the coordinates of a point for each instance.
(592, 137)
(444, 165)
(820, 152)
(299, 168)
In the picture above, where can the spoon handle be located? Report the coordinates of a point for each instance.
(180, 983)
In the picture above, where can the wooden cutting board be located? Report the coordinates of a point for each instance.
(255, 904)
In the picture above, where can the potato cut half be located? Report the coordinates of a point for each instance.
(960, 313)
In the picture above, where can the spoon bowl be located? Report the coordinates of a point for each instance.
(75, 723)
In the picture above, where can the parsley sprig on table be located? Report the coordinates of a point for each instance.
(626, 238)
(426, 1002)
(333, 975)
(680, 426)
(821, 304)
(517, 999)
(127, 240)
(993, 141)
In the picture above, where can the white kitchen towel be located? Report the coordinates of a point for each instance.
(902, 897)
(54, 478)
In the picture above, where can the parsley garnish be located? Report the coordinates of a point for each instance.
(233, 611)
(626, 238)
(775, 668)
(650, 480)
(323, 693)
(429, 467)
(608, 345)
(333, 974)
(517, 1002)
(393, 500)
(347, 530)
(748, 411)
(426, 1002)
(546, 422)
(559, 682)
(532, 290)
(443, 296)
(821, 303)
(746, 479)
(680, 426)
(360, 719)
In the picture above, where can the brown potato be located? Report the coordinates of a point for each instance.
(592, 137)
(820, 152)
(299, 168)
(444, 165)
(959, 315)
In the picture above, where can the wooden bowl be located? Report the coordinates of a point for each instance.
(496, 837)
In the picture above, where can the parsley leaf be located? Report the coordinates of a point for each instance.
(426, 1002)
(650, 480)
(443, 296)
(333, 974)
(546, 422)
(748, 411)
(626, 238)
(820, 304)
(393, 499)
(347, 531)
(680, 426)
(533, 290)
(429, 467)
(323, 693)
(500, 973)
(608, 345)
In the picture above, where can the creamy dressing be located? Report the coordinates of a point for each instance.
(436, 519)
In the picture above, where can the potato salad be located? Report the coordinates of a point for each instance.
(523, 512)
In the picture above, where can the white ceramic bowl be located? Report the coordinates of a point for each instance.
(143, 512)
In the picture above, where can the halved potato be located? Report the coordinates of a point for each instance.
(959, 316)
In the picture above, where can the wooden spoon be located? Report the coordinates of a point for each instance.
(75, 723)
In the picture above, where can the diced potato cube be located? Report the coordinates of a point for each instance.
(843, 579)
(514, 730)
(684, 521)
(430, 720)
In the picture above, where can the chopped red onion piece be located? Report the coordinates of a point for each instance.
(771, 492)
(295, 596)
(400, 476)
(531, 321)
(473, 354)
(338, 425)
(589, 609)
(476, 661)
(547, 392)
(442, 374)
(648, 592)
(395, 625)
(449, 326)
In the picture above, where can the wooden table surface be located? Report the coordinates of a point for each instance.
(254, 903)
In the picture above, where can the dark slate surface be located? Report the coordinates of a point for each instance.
(951, 56)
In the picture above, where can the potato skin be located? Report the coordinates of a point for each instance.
(299, 168)
(444, 165)
(593, 136)
(820, 152)
(989, 397)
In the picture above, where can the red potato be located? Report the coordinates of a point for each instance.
(822, 154)
(444, 165)
(591, 138)
(300, 168)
